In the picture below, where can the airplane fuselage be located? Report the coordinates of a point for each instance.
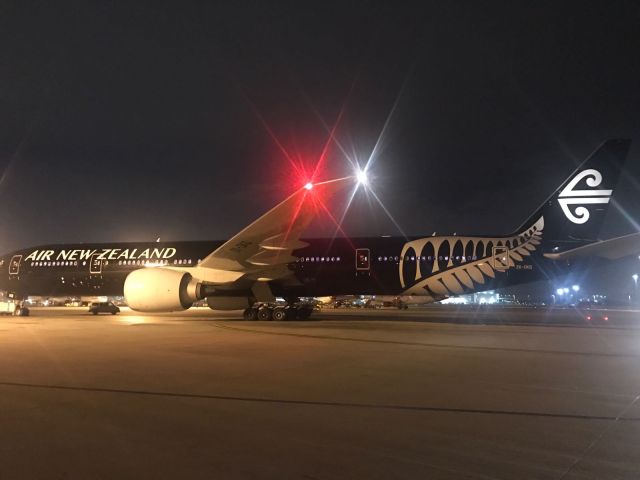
(433, 267)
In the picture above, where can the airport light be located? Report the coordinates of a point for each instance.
(361, 176)
(308, 185)
(565, 290)
(560, 291)
(635, 278)
(576, 288)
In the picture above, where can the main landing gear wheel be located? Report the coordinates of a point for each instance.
(279, 314)
(250, 314)
(264, 313)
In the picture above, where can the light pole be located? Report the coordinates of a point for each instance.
(635, 287)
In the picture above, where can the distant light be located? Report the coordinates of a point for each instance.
(576, 288)
(560, 291)
(565, 290)
(308, 185)
(361, 176)
(635, 277)
(605, 318)
(588, 317)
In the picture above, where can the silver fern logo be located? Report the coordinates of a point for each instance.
(484, 259)
(568, 196)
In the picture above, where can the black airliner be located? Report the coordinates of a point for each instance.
(269, 259)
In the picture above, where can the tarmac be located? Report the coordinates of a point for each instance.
(435, 393)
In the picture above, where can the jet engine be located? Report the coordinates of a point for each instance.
(161, 290)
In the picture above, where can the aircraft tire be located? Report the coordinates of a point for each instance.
(279, 314)
(265, 313)
(250, 314)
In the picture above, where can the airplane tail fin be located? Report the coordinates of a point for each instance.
(576, 210)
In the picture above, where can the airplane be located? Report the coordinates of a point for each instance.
(270, 258)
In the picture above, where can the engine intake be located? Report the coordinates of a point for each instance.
(161, 290)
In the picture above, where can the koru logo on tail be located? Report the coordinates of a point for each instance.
(568, 196)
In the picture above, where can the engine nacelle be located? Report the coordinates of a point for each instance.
(160, 290)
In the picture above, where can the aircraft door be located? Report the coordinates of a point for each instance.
(95, 265)
(14, 265)
(363, 261)
(500, 257)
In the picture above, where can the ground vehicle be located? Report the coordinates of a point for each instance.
(596, 317)
(73, 303)
(10, 307)
(104, 307)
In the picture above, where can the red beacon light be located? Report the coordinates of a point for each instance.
(605, 318)
(588, 317)
(308, 186)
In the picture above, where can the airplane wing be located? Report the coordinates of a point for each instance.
(266, 245)
(611, 249)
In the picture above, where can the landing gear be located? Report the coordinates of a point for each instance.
(265, 313)
(291, 313)
(250, 314)
(279, 314)
(268, 312)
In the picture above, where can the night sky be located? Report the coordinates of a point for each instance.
(131, 121)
